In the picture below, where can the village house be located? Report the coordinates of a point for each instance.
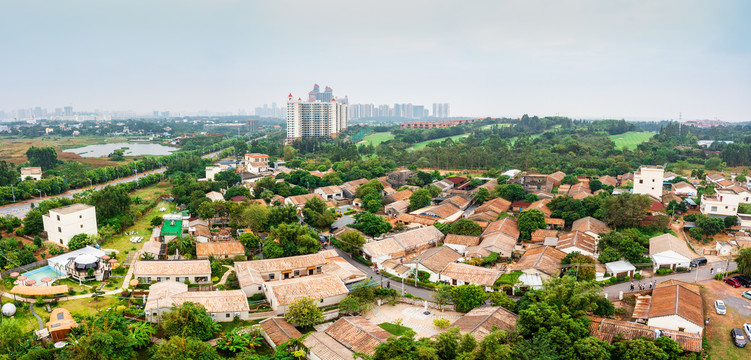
(608, 180)
(684, 189)
(300, 200)
(556, 178)
(610, 330)
(461, 274)
(620, 268)
(397, 208)
(379, 251)
(332, 192)
(590, 226)
(534, 182)
(401, 195)
(256, 163)
(669, 252)
(678, 306)
(433, 260)
(544, 261)
(395, 267)
(541, 205)
(419, 239)
(220, 250)
(400, 178)
(577, 241)
(482, 321)
(444, 212)
(222, 306)
(350, 187)
(648, 180)
(579, 191)
(194, 271)
(326, 290)
(723, 203)
(490, 210)
(714, 178)
(358, 334)
(540, 236)
(276, 331)
(283, 268)
(443, 184)
(347, 272)
(460, 242)
(215, 196)
(458, 201)
(62, 223)
(35, 173)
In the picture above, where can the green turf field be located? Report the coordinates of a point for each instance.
(630, 139)
(423, 144)
(377, 138)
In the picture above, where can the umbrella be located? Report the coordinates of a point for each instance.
(105, 257)
(14, 274)
(21, 279)
(47, 279)
(31, 282)
(113, 261)
(134, 282)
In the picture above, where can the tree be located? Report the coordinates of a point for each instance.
(744, 261)
(591, 348)
(713, 163)
(304, 312)
(99, 344)
(10, 334)
(730, 221)
(499, 298)
(638, 349)
(555, 323)
(294, 239)
(156, 221)
(468, 297)
(511, 192)
(482, 196)
(206, 211)
(464, 227)
(709, 225)
(110, 202)
(316, 213)
(567, 292)
(351, 241)
(447, 342)
(626, 210)
(352, 304)
(256, 217)
(595, 185)
(442, 295)
(188, 320)
(617, 245)
(185, 348)
(236, 191)
(529, 221)
(371, 194)
(228, 176)
(570, 179)
(79, 241)
(44, 157)
(370, 224)
(282, 214)
(249, 240)
(420, 199)
(494, 347)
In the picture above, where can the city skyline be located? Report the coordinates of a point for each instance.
(583, 59)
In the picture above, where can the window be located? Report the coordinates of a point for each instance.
(271, 276)
(641, 181)
(321, 300)
(318, 269)
(58, 217)
(681, 329)
(81, 226)
(714, 208)
(259, 288)
(80, 216)
(59, 229)
(297, 272)
(226, 315)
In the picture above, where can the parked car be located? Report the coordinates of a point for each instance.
(738, 339)
(747, 329)
(698, 262)
(744, 280)
(747, 294)
(719, 307)
(733, 282)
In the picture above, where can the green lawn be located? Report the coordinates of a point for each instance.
(394, 329)
(122, 242)
(630, 139)
(423, 144)
(377, 138)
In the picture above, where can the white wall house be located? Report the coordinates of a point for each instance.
(32, 172)
(63, 223)
(330, 192)
(256, 163)
(211, 171)
(669, 252)
(678, 306)
(723, 203)
(648, 180)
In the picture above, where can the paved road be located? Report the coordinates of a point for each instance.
(423, 293)
(702, 274)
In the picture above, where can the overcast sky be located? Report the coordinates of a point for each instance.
(620, 59)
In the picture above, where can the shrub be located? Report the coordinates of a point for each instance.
(604, 307)
(664, 271)
(613, 280)
(620, 311)
(681, 269)
(441, 323)
(637, 276)
(689, 217)
(363, 260)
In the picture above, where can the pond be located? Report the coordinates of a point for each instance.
(131, 149)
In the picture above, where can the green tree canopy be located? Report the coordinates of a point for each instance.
(304, 312)
(529, 221)
(468, 297)
(188, 320)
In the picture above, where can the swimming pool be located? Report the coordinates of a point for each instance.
(38, 274)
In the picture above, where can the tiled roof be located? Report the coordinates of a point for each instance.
(60, 319)
(215, 301)
(476, 251)
(684, 186)
(344, 270)
(545, 259)
(498, 205)
(457, 201)
(465, 240)
(279, 330)
(608, 180)
(326, 348)
(507, 226)
(171, 267)
(499, 242)
(610, 330)
(417, 219)
(160, 294)
(399, 195)
(381, 248)
(557, 176)
(285, 263)
(666, 242)
(677, 299)
(540, 234)
(590, 224)
(577, 239)
(220, 248)
(471, 274)
(480, 322)
(541, 205)
(302, 199)
(417, 237)
(358, 334)
(436, 258)
(442, 211)
(313, 286)
(394, 267)
(330, 190)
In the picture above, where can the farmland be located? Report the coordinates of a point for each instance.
(630, 139)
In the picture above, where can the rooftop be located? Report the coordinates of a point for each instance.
(220, 248)
(545, 259)
(436, 258)
(482, 321)
(171, 267)
(282, 264)
(471, 274)
(279, 330)
(358, 334)
(72, 208)
(313, 286)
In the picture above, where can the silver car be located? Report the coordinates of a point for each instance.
(747, 329)
(719, 307)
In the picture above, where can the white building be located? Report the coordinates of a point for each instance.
(678, 306)
(315, 118)
(330, 192)
(211, 171)
(669, 252)
(648, 180)
(32, 172)
(256, 163)
(63, 223)
(723, 203)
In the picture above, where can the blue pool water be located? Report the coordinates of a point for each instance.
(38, 274)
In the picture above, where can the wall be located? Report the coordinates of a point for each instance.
(431, 305)
(673, 322)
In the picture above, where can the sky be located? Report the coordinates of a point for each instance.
(584, 59)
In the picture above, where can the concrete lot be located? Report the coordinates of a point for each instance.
(411, 316)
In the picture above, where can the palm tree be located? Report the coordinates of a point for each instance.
(147, 256)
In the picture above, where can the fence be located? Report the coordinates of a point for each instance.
(25, 268)
(431, 305)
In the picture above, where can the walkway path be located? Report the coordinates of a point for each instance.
(226, 275)
(41, 323)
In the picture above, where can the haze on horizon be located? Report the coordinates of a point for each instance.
(584, 59)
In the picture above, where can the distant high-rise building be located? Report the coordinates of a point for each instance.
(156, 113)
(68, 111)
(58, 111)
(441, 110)
(165, 113)
(314, 118)
(417, 111)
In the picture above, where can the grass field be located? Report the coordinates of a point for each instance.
(394, 329)
(377, 138)
(630, 139)
(423, 144)
(12, 149)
